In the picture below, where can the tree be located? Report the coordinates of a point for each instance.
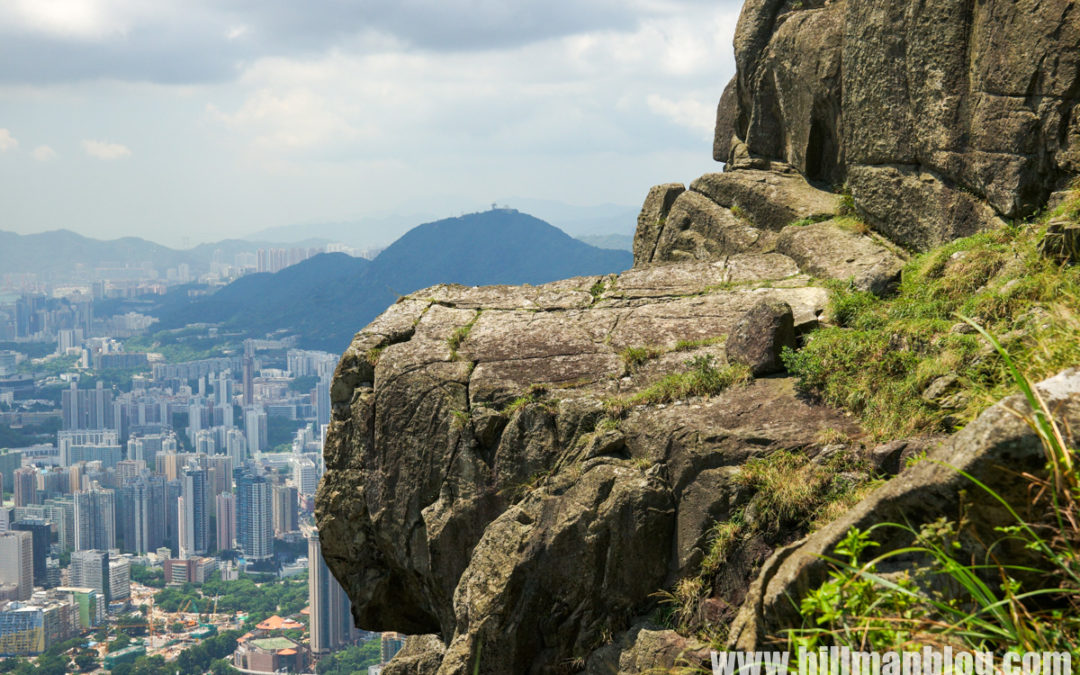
(86, 660)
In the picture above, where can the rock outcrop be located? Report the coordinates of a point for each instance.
(478, 489)
(994, 450)
(941, 117)
(513, 473)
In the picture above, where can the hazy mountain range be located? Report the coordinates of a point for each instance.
(61, 252)
(326, 299)
(367, 233)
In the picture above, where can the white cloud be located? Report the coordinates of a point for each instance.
(43, 153)
(691, 113)
(105, 150)
(63, 18)
(7, 141)
(236, 32)
(295, 119)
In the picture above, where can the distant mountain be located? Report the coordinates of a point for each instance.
(371, 232)
(617, 242)
(59, 252)
(328, 298)
(581, 220)
(62, 250)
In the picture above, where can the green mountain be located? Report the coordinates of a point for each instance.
(326, 299)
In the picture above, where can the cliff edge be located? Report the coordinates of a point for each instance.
(579, 476)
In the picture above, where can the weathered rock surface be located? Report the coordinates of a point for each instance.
(940, 116)
(994, 449)
(493, 486)
(530, 534)
(770, 200)
(828, 251)
(760, 336)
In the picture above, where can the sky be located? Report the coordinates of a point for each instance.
(184, 121)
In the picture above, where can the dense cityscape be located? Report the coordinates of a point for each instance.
(158, 487)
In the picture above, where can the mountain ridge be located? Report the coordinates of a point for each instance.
(324, 298)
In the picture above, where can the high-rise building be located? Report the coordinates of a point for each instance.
(83, 445)
(128, 470)
(95, 519)
(173, 489)
(41, 537)
(249, 374)
(255, 430)
(137, 502)
(26, 486)
(390, 644)
(17, 562)
(87, 408)
(193, 513)
(8, 360)
(285, 505)
(90, 569)
(225, 507)
(149, 446)
(305, 475)
(75, 476)
(322, 401)
(219, 473)
(26, 630)
(254, 520)
(331, 614)
(10, 460)
(62, 514)
(236, 446)
(120, 579)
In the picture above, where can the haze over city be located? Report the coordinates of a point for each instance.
(197, 121)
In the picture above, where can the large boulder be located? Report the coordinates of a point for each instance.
(943, 117)
(478, 489)
(828, 250)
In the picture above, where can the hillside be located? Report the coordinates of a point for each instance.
(62, 250)
(325, 298)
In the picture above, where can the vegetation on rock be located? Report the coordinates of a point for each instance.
(909, 365)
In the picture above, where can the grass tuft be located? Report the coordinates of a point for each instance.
(881, 354)
(460, 334)
(702, 378)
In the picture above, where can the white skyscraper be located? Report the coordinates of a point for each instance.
(17, 561)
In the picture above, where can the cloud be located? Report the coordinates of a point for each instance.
(43, 153)
(688, 112)
(104, 150)
(194, 41)
(7, 141)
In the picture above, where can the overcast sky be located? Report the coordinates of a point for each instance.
(191, 120)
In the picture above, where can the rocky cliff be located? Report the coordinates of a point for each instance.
(534, 478)
(939, 116)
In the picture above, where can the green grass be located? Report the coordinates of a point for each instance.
(976, 605)
(881, 354)
(633, 357)
(791, 494)
(701, 378)
(597, 289)
(460, 334)
(534, 395)
(688, 345)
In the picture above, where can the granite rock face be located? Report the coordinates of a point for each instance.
(476, 488)
(499, 483)
(993, 450)
(942, 117)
